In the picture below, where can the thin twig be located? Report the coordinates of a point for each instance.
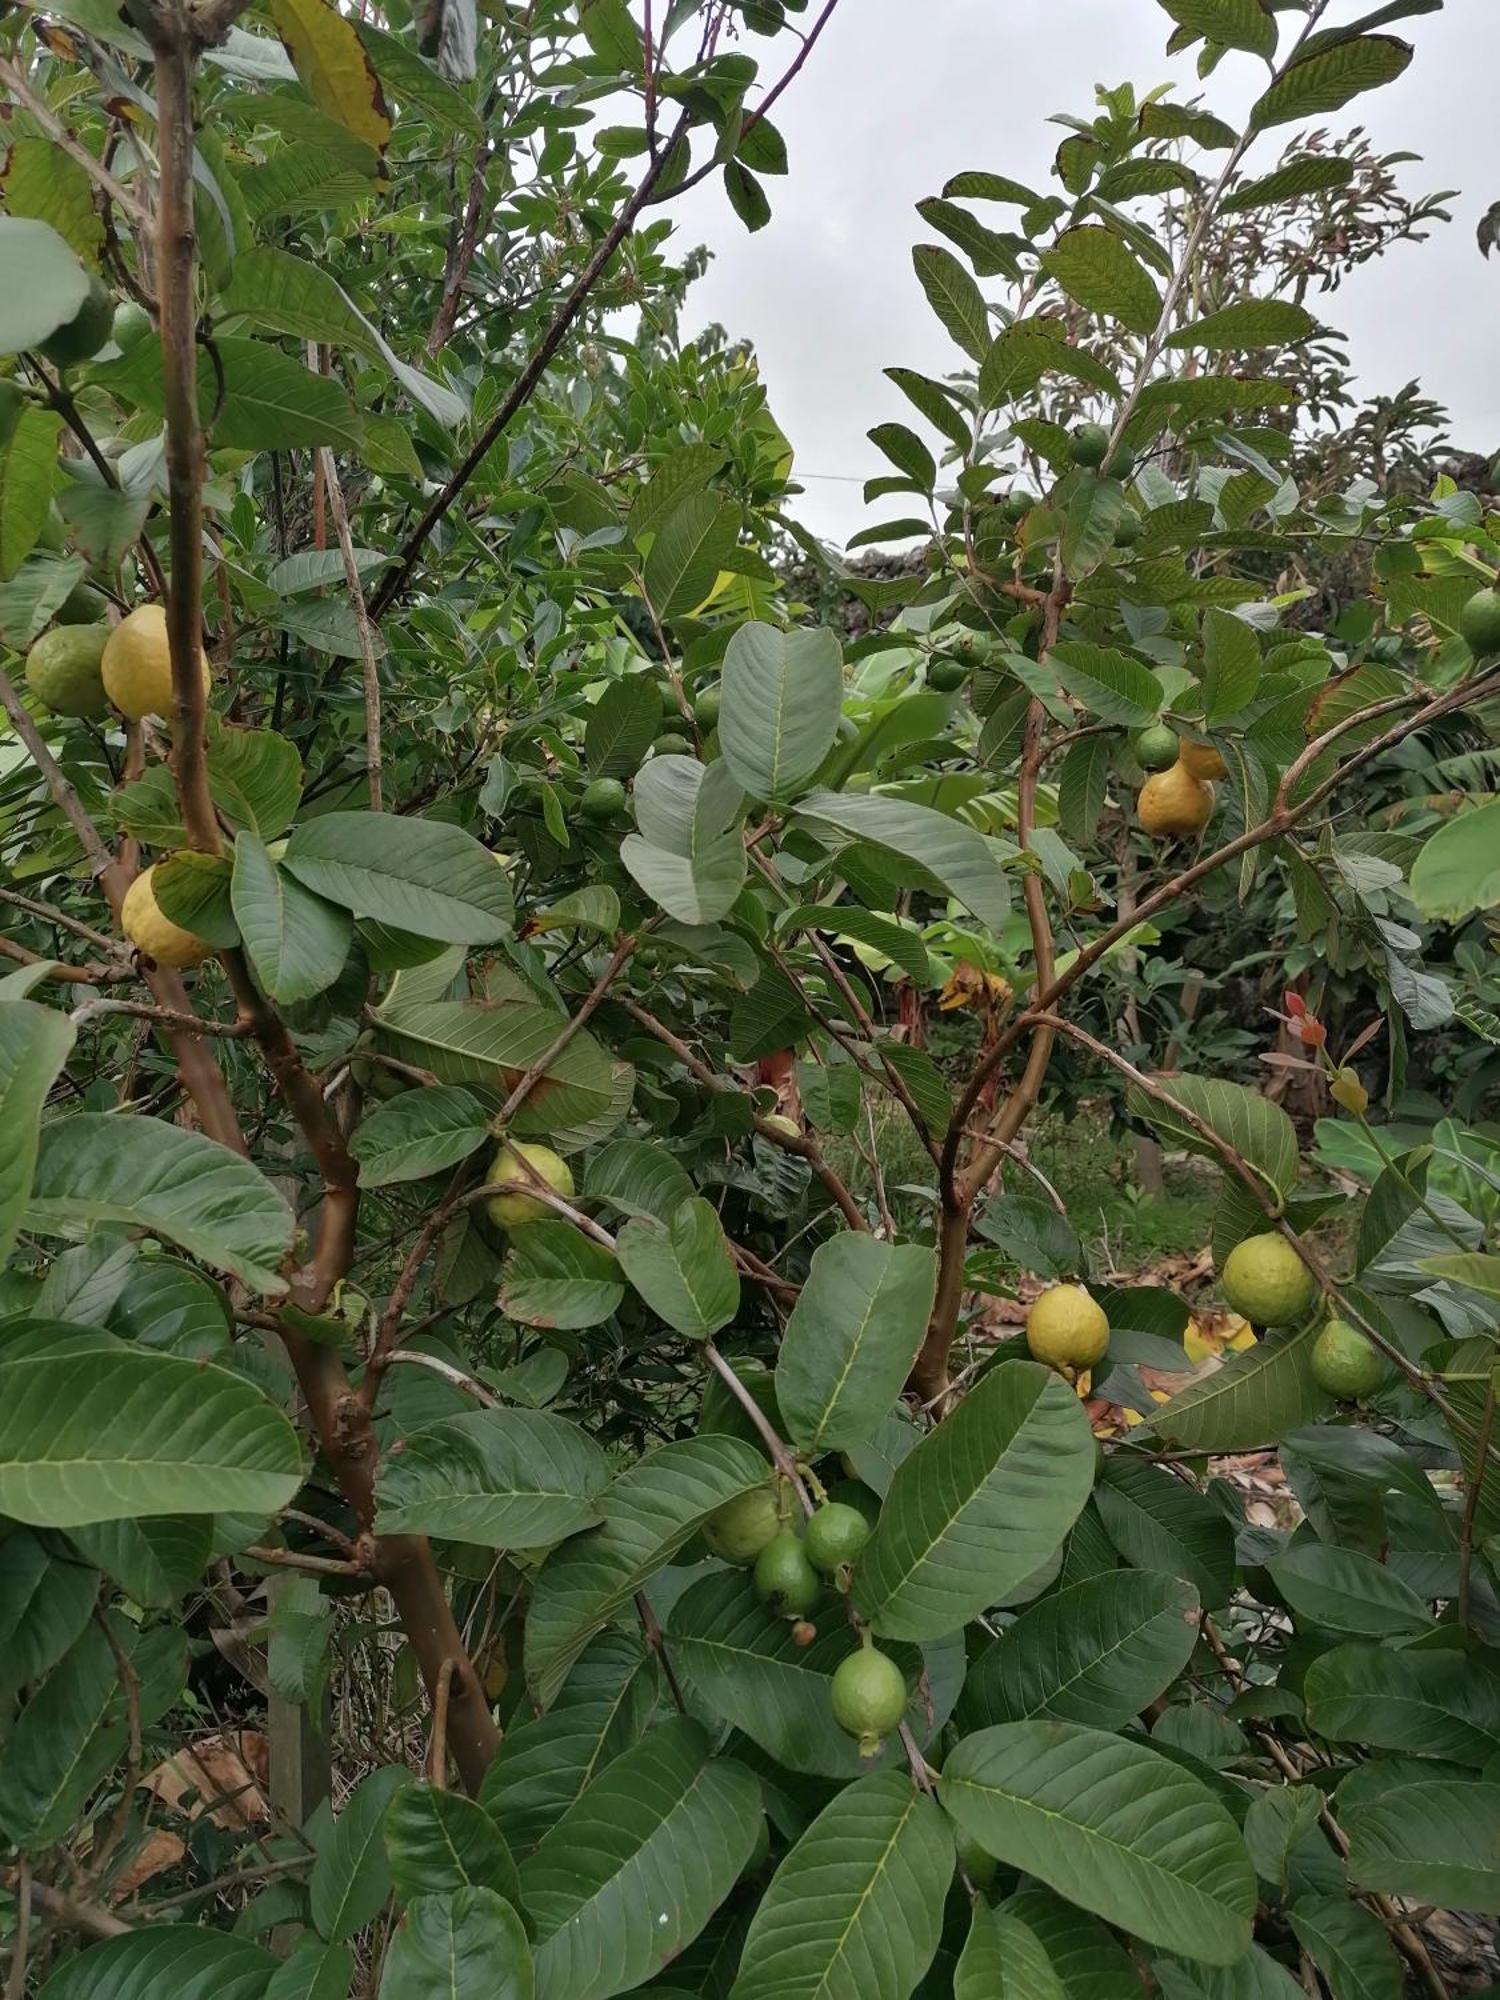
(130, 1684)
(15, 1985)
(656, 1641)
(413, 1357)
(782, 1456)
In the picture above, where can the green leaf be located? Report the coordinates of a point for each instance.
(1002, 1956)
(422, 876)
(1248, 323)
(1437, 1842)
(689, 853)
(153, 1560)
(35, 1042)
(1158, 1523)
(1258, 1130)
(255, 777)
(637, 1865)
(1350, 1947)
(152, 1175)
(545, 1761)
(437, 1842)
(693, 543)
(621, 726)
(1234, 24)
(954, 297)
(1329, 78)
(855, 1910)
(512, 1479)
(418, 1133)
(297, 942)
(417, 83)
(1089, 1961)
(43, 182)
(1255, 1398)
(1109, 1824)
(612, 34)
(193, 891)
(782, 694)
(1305, 174)
(1098, 1652)
(495, 1043)
(46, 287)
(1457, 871)
(683, 1268)
(165, 1962)
(1109, 684)
(980, 1504)
(853, 1334)
(903, 947)
(351, 1876)
(686, 470)
(46, 1600)
(1083, 786)
(74, 1729)
(747, 197)
(1420, 1704)
(557, 1277)
(1344, 1591)
(935, 405)
(331, 61)
(1094, 510)
(650, 1510)
(1279, 1820)
(28, 467)
(957, 857)
(111, 1432)
(907, 453)
(1097, 271)
(313, 1971)
(638, 1179)
(1231, 664)
(469, 1945)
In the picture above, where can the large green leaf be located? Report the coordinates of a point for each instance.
(165, 1962)
(108, 1432)
(469, 1945)
(34, 1045)
(1457, 871)
(297, 941)
(418, 1133)
(497, 1042)
(1259, 1131)
(1097, 1652)
(1255, 1398)
(154, 1560)
(650, 1510)
(1437, 1842)
(45, 1602)
(1419, 1703)
(980, 1504)
(546, 1760)
(692, 544)
(954, 297)
(953, 854)
(635, 1868)
(1233, 24)
(1158, 1523)
(739, 1655)
(47, 283)
(424, 876)
(28, 467)
(782, 693)
(1109, 683)
(1109, 1824)
(637, 1178)
(1003, 1959)
(1088, 1959)
(1248, 323)
(1328, 78)
(76, 1726)
(621, 725)
(438, 1841)
(313, 1971)
(152, 1175)
(351, 1876)
(852, 1337)
(1350, 1946)
(855, 1910)
(511, 1479)
(683, 1268)
(557, 1277)
(1341, 1590)
(1099, 272)
(689, 853)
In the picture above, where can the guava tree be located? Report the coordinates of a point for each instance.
(463, 917)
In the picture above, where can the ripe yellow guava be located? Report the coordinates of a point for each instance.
(1173, 803)
(153, 932)
(516, 1161)
(1267, 1281)
(1066, 1328)
(137, 664)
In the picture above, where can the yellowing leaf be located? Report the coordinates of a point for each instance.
(330, 59)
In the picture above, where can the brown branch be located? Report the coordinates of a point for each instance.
(61, 971)
(437, 1749)
(62, 138)
(415, 1358)
(90, 1918)
(656, 1642)
(782, 1456)
(15, 1984)
(176, 245)
(50, 916)
(130, 1683)
(310, 1565)
(165, 1017)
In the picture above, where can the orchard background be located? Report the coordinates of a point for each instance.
(731, 1270)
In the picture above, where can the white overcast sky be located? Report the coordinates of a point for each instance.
(899, 94)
